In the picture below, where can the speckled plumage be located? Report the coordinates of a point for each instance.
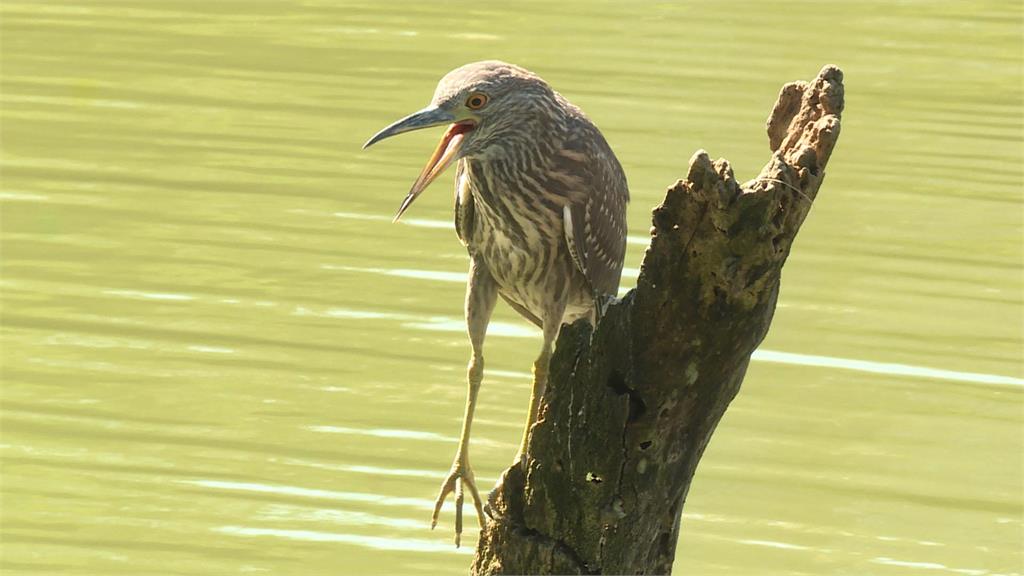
(514, 185)
(540, 204)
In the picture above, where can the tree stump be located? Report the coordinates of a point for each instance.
(631, 406)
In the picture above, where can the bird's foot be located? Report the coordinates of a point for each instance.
(459, 478)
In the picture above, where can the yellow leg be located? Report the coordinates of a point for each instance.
(481, 294)
(461, 474)
(552, 322)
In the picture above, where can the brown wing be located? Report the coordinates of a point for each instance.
(595, 219)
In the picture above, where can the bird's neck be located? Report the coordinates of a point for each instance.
(513, 180)
(527, 139)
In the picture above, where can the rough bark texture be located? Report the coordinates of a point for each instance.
(631, 406)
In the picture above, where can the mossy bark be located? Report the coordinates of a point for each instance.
(631, 406)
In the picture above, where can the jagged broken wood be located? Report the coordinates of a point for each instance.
(631, 406)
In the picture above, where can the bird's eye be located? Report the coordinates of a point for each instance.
(476, 101)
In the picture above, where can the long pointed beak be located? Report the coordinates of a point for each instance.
(426, 118)
(442, 157)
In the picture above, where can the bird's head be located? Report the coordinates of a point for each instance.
(486, 106)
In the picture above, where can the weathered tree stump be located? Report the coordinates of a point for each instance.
(631, 406)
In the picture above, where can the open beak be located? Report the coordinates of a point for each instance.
(442, 157)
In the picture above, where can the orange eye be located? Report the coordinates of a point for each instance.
(476, 101)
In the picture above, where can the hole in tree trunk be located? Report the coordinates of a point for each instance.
(637, 407)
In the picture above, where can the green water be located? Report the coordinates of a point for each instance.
(219, 357)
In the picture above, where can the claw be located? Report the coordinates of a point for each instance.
(446, 489)
(459, 478)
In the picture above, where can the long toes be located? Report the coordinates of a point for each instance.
(446, 489)
(476, 500)
(457, 481)
(459, 499)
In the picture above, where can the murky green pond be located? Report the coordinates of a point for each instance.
(220, 357)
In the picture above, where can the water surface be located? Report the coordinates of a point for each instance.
(219, 357)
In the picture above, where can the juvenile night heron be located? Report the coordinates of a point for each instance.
(540, 204)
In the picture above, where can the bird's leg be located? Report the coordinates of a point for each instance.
(481, 294)
(461, 474)
(540, 380)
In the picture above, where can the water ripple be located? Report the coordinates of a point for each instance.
(374, 542)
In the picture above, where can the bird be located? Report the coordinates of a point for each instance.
(540, 206)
